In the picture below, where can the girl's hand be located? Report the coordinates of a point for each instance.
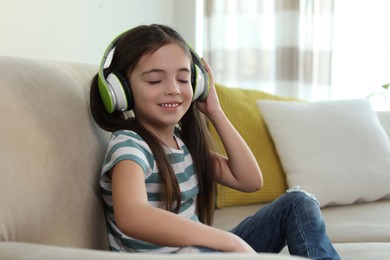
(211, 104)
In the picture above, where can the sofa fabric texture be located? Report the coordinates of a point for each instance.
(51, 156)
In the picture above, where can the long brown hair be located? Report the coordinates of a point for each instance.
(129, 49)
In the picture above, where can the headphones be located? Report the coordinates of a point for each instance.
(115, 91)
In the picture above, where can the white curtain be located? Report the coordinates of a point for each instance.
(277, 46)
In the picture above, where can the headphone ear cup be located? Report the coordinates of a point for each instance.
(200, 84)
(127, 90)
(200, 80)
(121, 91)
(106, 94)
(114, 90)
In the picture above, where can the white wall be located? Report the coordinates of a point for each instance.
(80, 30)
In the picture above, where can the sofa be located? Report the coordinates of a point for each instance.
(51, 154)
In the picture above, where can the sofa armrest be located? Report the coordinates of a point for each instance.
(24, 251)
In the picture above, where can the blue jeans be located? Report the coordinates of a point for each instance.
(295, 220)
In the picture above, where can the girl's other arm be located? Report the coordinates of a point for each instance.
(137, 219)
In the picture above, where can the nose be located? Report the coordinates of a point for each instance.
(172, 88)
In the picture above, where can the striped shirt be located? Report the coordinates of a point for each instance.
(128, 145)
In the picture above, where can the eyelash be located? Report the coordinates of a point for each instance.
(158, 81)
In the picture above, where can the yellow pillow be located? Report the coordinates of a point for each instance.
(240, 107)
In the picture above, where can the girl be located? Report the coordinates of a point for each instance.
(160, 170)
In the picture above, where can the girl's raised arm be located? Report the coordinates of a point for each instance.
(239, 170)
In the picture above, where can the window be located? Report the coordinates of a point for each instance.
(361, 50)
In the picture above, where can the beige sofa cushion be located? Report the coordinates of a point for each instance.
(364, 222)
(19, 251)
(50, 155)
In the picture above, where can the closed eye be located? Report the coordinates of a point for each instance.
(154, 82)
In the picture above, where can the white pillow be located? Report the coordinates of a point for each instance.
(336, 150)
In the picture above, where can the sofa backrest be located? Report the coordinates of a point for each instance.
(50, 155)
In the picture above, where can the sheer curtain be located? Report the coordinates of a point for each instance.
(280, 46)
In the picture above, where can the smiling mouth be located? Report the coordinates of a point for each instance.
(169, 105)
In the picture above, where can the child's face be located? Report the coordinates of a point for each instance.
(161, 87)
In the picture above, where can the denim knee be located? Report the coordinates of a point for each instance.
(298, 196)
